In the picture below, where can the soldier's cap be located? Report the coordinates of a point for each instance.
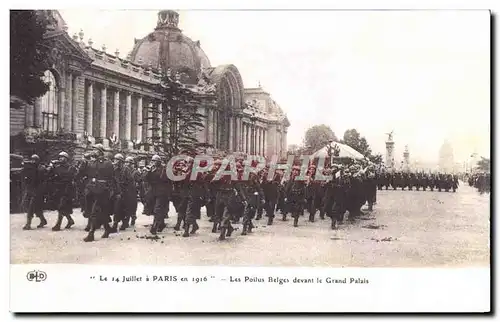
(129, 159)
(156, 157)
(88, 155)
(64, 155)
(35, 157)
(119, 156)
(99, 147)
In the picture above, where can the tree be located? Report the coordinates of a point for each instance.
(28, 55)
(353, 139)
(484, 165)
(295, 149)
(318, 136)
(179, 120)
(377, 158)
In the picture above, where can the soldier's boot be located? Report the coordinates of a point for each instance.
(132, 221)
(311, 217)
(178, 224)
(107, 230)
(57, 227)
(161, 225)
(322, 215)
(334, 223)
(186, 230)
(124, 224)
(214, 227)
(70, 223)
(259, 216)
(270, 220)
(87, 228)
(439, 189)
(222, 235)
(43, 222)
(195, 227)
(284, 217)
(92, 228)
(370, 207)
(230, 230)
(29, 219)
(114, 228)
(296, 221)
(245, 228)
(454, 190)
(154, 227)
(250, 226)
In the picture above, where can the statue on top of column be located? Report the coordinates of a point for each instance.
(390, 135)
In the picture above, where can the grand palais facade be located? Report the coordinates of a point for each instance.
(97, 96)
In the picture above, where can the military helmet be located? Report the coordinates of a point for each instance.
(88, 155)
(119, 157)
(156, 157)
(129, 159)
(35, 157)
(99, 147)
(64, 154)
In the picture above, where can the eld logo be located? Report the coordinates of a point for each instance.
(36, 276)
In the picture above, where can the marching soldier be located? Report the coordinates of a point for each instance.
(33, 174)
(62, 175)
(161, 189)
(229, 195)
(271, 195)
(254, 197)
(125, 203)
(197, 195)
(131, 192)
(295, 196)
(101, 187)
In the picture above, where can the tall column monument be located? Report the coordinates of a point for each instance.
(389, 155)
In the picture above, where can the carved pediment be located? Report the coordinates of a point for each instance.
(63, 47)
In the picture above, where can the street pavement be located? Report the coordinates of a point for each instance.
(406, 229)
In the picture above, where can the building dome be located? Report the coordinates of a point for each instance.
(166, 47)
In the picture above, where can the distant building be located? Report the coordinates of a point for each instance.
(446, 159)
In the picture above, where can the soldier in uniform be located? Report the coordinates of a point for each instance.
(271, 194)
(131, 192)
(161, 189)
(255, 197)
(370, 186)
(229, 195)
(198, 194)
(101, 187)
(181, 190)
(33, 174)
(296, 193)
(125, 204)
(62, 175)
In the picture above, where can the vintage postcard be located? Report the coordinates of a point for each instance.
(176, 160)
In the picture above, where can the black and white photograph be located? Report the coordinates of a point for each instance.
(186, 140)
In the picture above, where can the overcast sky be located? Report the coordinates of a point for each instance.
(423, 74)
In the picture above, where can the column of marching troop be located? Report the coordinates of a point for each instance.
(108, 190)
(424, 181)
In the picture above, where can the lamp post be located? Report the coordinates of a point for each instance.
(253, 118)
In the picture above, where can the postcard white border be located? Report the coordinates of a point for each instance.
(469, 285)
(81, 288)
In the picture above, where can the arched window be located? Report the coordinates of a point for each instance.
(49, 104)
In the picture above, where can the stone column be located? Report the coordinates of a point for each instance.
(74, 98)
(244, 136)
(90, 108)
(231, 136)
(68, 122)
(140, 122)
(149, 126)
(31, 114)
(160, 121)
(265, 143)
(103, 116)
(237, 133)
(128, 121)
(116, 113)
(61, 108)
